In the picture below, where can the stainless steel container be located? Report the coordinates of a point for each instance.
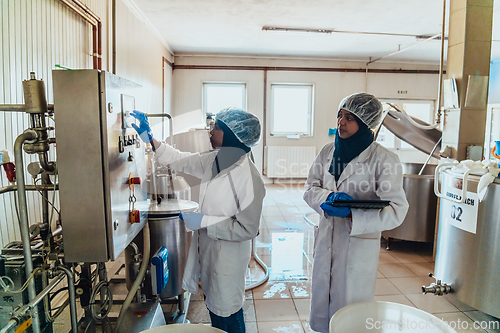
(166, 229)
(468, 261)
(175, 188)
(419, 223)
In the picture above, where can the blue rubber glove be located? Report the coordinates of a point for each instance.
(143, 129)
(338, 196)
(336, 211)
(192, 220)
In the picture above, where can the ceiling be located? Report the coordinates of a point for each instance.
(371, 29)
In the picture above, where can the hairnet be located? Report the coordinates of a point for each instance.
(244, 125)
(365, 106)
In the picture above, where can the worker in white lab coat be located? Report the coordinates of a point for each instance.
(231, 197)
(347, 241)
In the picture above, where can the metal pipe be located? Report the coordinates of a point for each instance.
(307, 69)
(441, 60)
(44, 163)
(17, 315)
(23, 217)
(72, 297)
(45, 201)
(13, 107)
(264, 122)
(20, 107)
(12, 188)
(430, 155)
(170, 126)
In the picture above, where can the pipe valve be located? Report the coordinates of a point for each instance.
(437, 288)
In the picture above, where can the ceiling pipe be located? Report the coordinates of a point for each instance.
(405, 49)
(85, 13)
(306, 69)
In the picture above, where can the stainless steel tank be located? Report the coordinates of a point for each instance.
(467, 260)
(419, 224)
(166, 229)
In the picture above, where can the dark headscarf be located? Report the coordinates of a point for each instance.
(230, 152)
(347, 149)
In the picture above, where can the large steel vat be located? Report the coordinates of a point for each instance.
(166, 229)
(467, 260)
(419, 223)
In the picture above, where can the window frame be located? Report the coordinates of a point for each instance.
(204, 94)
(310, 112)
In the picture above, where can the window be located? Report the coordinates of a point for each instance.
(218, 96)
(291, 109)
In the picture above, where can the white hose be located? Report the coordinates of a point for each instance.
(413, 122)
(264, 267)
(138, 279)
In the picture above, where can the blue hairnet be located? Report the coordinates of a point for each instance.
(365, 106)
(244, 125)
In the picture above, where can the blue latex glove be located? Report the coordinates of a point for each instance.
(143, 129)
(336, 211)
(192, 220)
(338, 196)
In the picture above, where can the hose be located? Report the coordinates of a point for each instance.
(413, 122)
(264, 267)
(138, 279)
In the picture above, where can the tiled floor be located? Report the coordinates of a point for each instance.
(285, 244)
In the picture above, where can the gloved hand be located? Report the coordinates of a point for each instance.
(192, 220)
(143, 129)
(336, 211)
(338, 196)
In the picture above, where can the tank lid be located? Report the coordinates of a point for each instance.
(172, 207)
(423, 140)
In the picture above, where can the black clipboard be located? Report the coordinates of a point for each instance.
(362, 204)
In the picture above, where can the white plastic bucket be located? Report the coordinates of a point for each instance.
(184, 328)
(385, 317)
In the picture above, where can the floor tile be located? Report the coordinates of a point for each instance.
(421, 268)
(197, 312)
(483, 320)
(307, 328)
(408, 285)
(275, 310)
(280, 326)
(387, 258)
(251, 327)
(272, 290)
(385, 287)
(459, 322)
(300, 289)
(249, 310)
(395, 270)
(431, 303)
(401, 299)
(408, 257)
(460, 305)
(303, 307)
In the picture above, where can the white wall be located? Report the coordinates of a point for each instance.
(38, 34)
(330, 88)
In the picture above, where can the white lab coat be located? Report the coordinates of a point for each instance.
(220, 251)
(345, 259)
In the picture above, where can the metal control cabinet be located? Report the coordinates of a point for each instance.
(97, 152)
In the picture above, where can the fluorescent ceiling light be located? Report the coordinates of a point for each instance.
(297, 30)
